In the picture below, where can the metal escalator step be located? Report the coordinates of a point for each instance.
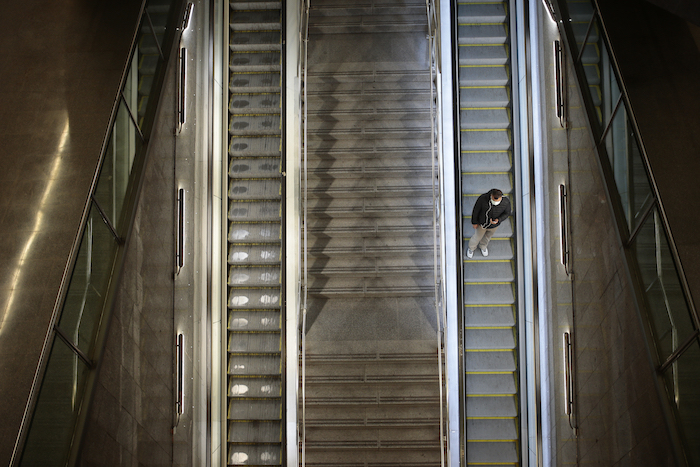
(255, 82)
(492, 406)
(500, 250)
(254, 454)
(592, 73)
(258, 167)
(254, 409)
(370, 206)
(486, 140)
(484, 118)
(259, 320)
(494, 12)
(483, 338)
(491, 362)
(481, 182)
(249, 124)
(254, 298)
(261, 386)
(255, 232)
(475, 316)
(255, 431)
(254, 342)
(483, 54)
(488, 269)
(591, 54)
(492, 293)
(239, 18)
(148, 63)
(469, 199)
(480, 33)
(242, 253)
(491, 384)
(369, 227)
(254, 210)
(485, 429)
(487, 161)
(484, 96)
(254, 103)
(248, 5)
(367, 246)
(482, 75)
(254, 276)
(580, 11)
(265, 188)
(254, 365)
(240, 41)
(504, 231)
(254, 61)
(493, 453)
(252, 146)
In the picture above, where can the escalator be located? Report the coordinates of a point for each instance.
(486, 146)
(255, 431)
(371, 357)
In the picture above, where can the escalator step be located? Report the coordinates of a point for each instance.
(491, 362)
(251, 124)
(254, 232)
(244, 189)
(261, 386)
(259, 167)
(255, 431)
(255, 454)
(254, 409)
(254, 276)
(254, 298)
(254, 211)
(254, 254)
(260, 320)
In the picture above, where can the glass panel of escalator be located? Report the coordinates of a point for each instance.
(681, 379)
(53, 423)
(667, 307)
(158, 11)
(146, 59)
(580, 14)
(124, 143)
(88, 284)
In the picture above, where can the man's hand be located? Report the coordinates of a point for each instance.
(494, 221)
(475, 225)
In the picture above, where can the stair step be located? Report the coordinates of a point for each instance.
(254, 254)
(254, 342)
(484, 119)
(482, 182)
(255, 232)
(483, 54)
(366, 147)
(489, 294)
(249, 276)
(486, 139)
(369, 227)
(488, 269)
(392, 22)
(374, 436)
(370, 206)
(481, 33)
(370, 167)
(246, 124)
(376, 392)
(402, 456)
(489, 339)
(372, 128)
(489, 362)
(254, 210)
(254, 103)
(258, 298)
(491, 384)
(500, 249)
(400, 286)
(257, 454)
(254, 409)
(348, 8)
(254, 365)
(494, 12)
(243, 20)
(369, 187)
(484, 96)
(492, 406)
(258, 167)
(372, 246)
(489, 316)
(255, 431)
(493, 453)
(248, 5)
(371, 267)
(487, 161)
(247, 320)
(255, 82)
(244, 189)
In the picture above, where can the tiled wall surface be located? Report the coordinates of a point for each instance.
(133, 409)
(617, 410)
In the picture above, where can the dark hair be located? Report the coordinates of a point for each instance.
(496, 193)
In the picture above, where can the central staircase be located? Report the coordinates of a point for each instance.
(372, 385)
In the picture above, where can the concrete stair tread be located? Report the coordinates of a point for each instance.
(358, 287)
(369, 227)
(371, 246)
(417, 263)
(398, 206)
(365, 146)
(369, 187)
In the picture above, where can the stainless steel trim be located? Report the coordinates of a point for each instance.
(59, 333)
(180, 251)
(180, 368)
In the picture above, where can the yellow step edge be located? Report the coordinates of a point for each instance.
(252, 51)
(492, 418)
(489, 350)
(485, 173)
(482, 24)
(490, 441)
(489, 260)
(488, 327)
(255, 136)
(483, 129)
(484, 87)
(481, 306)
(485, 372)
(489, 283)
(491, 395)
(484, 66)
(483, 108)
(483, 45)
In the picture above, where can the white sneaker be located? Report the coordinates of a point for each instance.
(484, 251)
(470, 253)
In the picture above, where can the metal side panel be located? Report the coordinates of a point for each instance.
(255, 405)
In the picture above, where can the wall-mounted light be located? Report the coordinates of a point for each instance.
(180, 247)
(180, 354)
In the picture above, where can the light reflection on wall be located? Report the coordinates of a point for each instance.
(38, 223)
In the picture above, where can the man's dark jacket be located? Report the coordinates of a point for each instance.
(484, 211)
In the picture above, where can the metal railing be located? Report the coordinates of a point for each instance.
(664, 295)
(56, 412)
